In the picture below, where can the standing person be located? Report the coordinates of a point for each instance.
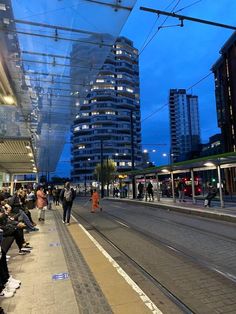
(212, 191)
(57, 196)
(41, 203)
(49, 198)
(181, 190)
(30, 199)
(140, 190)
(67, 197)
(95, 201)
(54, 192)
(150, 191)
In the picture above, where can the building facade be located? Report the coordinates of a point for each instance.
(213, 147)
(184, 125)
(225, 90)
(107, 124)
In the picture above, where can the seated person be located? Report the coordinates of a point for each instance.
(8, 284)
(14, 229)
(20, 216)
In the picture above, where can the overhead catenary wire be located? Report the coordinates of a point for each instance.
(188, 18)
(154, 24)
(154, 35)
(166, 104)
(188, 6)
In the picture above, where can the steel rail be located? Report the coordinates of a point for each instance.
(212, 267)
(154, 280)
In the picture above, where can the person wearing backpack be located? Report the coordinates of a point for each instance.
(67, 197)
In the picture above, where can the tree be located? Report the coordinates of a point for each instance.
(108, 173)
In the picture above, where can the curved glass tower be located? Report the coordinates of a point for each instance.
(107, 123)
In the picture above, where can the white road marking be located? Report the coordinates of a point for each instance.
(121, 223)
(154, 309)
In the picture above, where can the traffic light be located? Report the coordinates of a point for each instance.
(213, 180)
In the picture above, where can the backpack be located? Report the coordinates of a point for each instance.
(68, 195)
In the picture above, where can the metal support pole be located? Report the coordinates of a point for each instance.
(193, 187)
(173, 186)
(107, 164)
(128, 190)
(158, 190)
(132, 151)
(145, 188)
(133, 187)
(37, 177)
(220, 187)
(102, 175)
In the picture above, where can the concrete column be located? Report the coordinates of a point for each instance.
(193, 187)
(220, 187)
(173, 186)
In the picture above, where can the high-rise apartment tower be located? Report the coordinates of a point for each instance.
(184, 125)
(107, 124)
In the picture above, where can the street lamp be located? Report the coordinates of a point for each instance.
(146, 159)
(85, 177)
(170, 157)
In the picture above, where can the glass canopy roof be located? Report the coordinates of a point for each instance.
(37, 38)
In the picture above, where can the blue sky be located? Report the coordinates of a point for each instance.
(176, 58)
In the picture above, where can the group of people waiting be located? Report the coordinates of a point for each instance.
(180, 190)
(16, 221)
(149, 191)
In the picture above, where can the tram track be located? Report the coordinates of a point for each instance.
(167, 244)
(203, 231)
(210, 276)
(207, 261)
(181, 305)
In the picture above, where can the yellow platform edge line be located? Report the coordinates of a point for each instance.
(121, 292)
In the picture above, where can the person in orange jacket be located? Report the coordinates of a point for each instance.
(95, 201)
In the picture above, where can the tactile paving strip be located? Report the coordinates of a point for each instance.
(89, 296)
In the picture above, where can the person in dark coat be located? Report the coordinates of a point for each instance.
(150, 191)
(140, 190)
(181, 190)
(212, 191)
(67, 197)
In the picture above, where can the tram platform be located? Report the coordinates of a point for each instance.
(68, 272)
(227, 213)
